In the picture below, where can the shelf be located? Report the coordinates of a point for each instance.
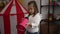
(44, 5)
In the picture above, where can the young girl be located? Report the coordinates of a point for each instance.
(34, 18)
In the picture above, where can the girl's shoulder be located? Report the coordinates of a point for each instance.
(38, 14)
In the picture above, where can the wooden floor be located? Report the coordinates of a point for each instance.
(53, 29)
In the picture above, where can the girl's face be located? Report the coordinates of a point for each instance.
(31, 9)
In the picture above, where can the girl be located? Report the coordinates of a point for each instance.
(34, 19)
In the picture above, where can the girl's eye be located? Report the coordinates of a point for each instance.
(30, 8)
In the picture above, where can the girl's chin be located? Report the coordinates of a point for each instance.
(31, 13)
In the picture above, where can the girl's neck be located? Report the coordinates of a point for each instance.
(32, 14)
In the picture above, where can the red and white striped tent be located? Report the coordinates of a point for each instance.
(10, 16)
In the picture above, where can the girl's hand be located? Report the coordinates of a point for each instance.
(29, 25)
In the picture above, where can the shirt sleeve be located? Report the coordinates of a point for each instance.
(36, 21)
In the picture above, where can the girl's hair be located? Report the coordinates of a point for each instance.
(35, 7)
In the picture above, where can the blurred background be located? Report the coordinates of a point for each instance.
(50, 10)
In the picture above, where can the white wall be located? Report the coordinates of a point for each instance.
(38, 4)
(44, 11)
(44, 2)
